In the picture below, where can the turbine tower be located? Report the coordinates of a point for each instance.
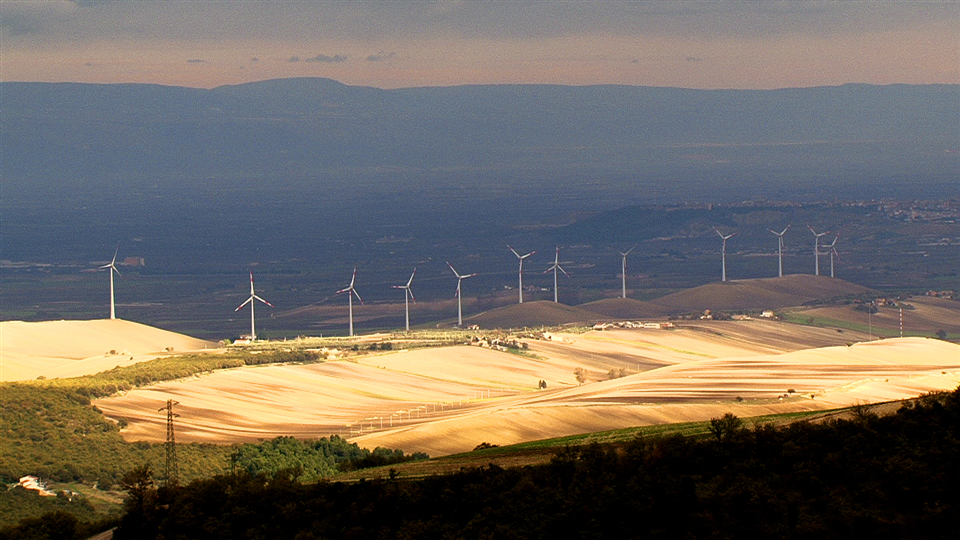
(816, 248)
(521, 257)
(723, 258)
(459, 280)
(833, 251)
(253, 296)
(623, 268)
(407, 296)
(556, 266)
(113, 268)
(780, 246)
(350, 292)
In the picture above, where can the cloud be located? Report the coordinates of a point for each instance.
(254, 60)
(322, 58)
(196, 61)
(693, 59)
(293, 59)
(380, 56)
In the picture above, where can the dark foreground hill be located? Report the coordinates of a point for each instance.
(538, 313)
(869, 477)
(763, 293)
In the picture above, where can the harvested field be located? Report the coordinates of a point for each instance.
(448, 400)
(72, 348)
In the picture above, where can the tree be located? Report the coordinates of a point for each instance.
(138, 483)
(580, 374)
(725, 427)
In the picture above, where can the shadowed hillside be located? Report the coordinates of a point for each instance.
(539, 313)
(763, 293)
(624, 308)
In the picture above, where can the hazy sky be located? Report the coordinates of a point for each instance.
(396, 43)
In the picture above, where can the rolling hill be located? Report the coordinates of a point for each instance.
(538, 313)
(762, 293)
(624, 308)
(72, 348)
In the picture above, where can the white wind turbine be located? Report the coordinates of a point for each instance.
(521, 257)
(407, 296)
(623, 268)
(113, 268)
(833, 251)
(723, 274)
(556, 266)
(780, 246)
(459, 280)
(350, 292)
(816, 248)
(253, 296)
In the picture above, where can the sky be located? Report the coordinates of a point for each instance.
(394, 43)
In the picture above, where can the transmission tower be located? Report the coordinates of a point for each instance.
(173, 470)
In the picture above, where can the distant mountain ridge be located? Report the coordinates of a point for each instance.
(305, 127)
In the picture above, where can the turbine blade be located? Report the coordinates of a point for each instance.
(514, 251)
(245, 303)
(410, 291)
(343, 290)
(357, 294)
(562, 270)
(409, 281)
(354, 278)
(115, 270)
(468, 275)
(452, 269)
(262, 300)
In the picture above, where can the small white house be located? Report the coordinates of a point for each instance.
(34, 483)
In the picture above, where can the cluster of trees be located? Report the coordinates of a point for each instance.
(886, 477)
(310, 461)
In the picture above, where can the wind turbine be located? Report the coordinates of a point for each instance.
(723, 258)
(113, 268)
(833, 251)
(780, 246)
(459, 280)
(816, 248)
(623, 268)
(253, 296)
(407, 296)
(556, 266)
(521, 257)
(350, 292)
